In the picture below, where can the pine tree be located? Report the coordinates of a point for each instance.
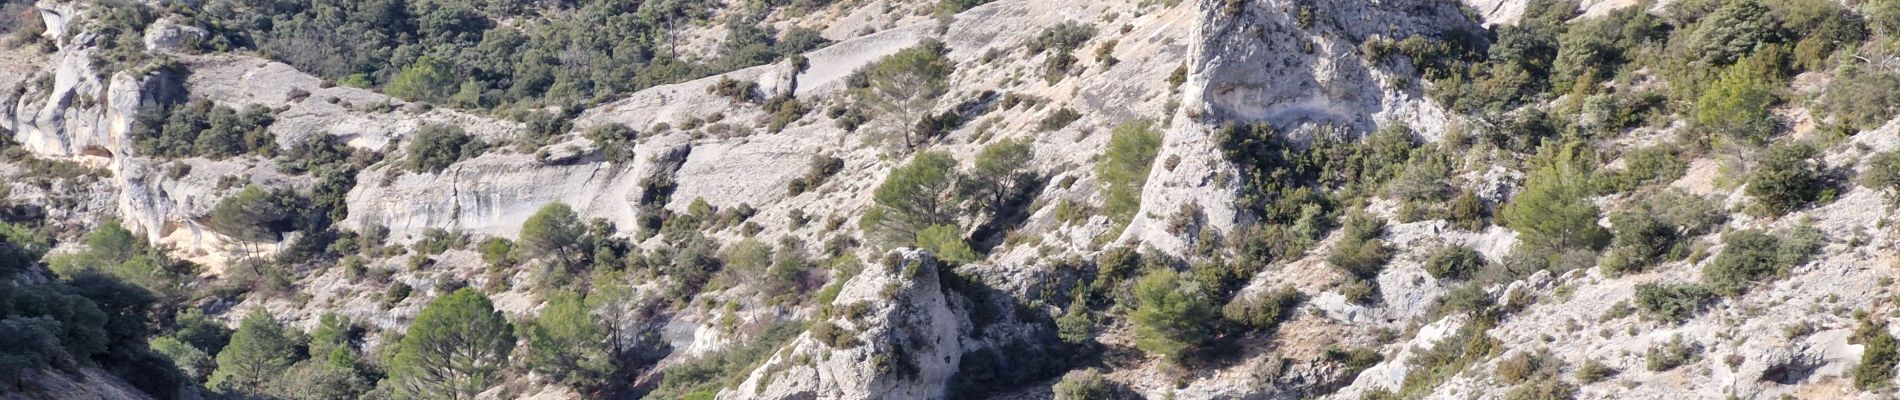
(551, 232)
(259, 352)
(1553, 213)
(1132, 149)
(454, 350)
(999, 172)
(916, 196)
(1171, 318)
(567, 343)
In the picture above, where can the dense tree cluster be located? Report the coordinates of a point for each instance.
(464, 53)
(203, 129)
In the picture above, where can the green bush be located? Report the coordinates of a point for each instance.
(1123, 171)
(946, 242)
(1642, 167)
(822, 168)
(427, 79)
(552, 232)
(1672, 302)
(435, 147)
(1658, 227)
(1785, 180)
(735, 90)
(1676, 352)
(1000, 172)
(1263, 311)
(1171, 317)
(1084, 384)
(1751, 256)
(951, 7)
(1066, 36)
(1546, 389)
(1735, 29)
(1454, 262)
(1360, 254)
(1883, 173)
(1862, 96)
(567, 343)
(1355, 359)
(259, 351)
(1058, 119)
(1594, 371)
(1878, 356)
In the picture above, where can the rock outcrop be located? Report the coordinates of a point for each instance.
(896, 336)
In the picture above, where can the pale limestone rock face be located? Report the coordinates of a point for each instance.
(167, 35)
(364, 119)
(908, 343)
(494, 193)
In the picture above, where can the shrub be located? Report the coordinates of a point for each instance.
(1862, 97)
(832, 335)
(1123, 171)
(1076, 326)
(1523, 366)
(1083, 384)
(203, 129)
(1735, 29)
(1467, 211)
(1001, 171)
(822, 168)
(1883, 173)
(1547, 389)
(257, 353)
(435, 147)
(1641, 167)
(950, 7)
(1594, 371)
(1878, 356)
(1672, 302)
(1454, 262)
(1658, 227)
(1058, 119)
(735, 90)
(1355, 359)
(946, 242)
(428, 79)
(1263, 311)
(1676, 352)
(1063, 37)
(1785, 180)
(1360, 254)
(567, 343)
(615, 141)
(1171, 318)
(1748, 256)
(785, 109)
(1426, 178)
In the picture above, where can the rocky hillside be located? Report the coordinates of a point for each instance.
(921, 199)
